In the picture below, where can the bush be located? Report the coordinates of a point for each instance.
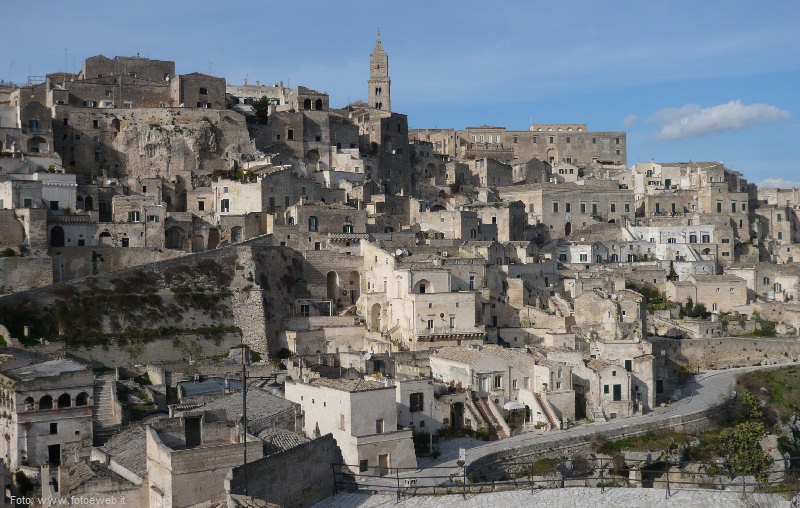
(8, 253)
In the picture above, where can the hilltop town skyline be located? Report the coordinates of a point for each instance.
(724, 75)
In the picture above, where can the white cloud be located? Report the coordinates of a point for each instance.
(693, 121)
(780, 183)
(629, 120)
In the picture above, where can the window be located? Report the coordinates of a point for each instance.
(551, 139)
(89, 104)
(733, 207)
(568, 208)
(719, 206)
(616, 141)
(134, 216)
(584, 258)
(605, 389)
(452, 322)
(152, 218)
(379, 426)
(471, 282)
(594, 141)
(714, 307)
(780, 235)
(201, 205)
(33, 125)
(225, 205)
(347, 228)
(765, 281)
(312, 223)
(583, 207)
(341, 421)
(555, 207)
(498, 382)
(126, 241)
(203, 91)
(568, 139)
(417, 402)
(305, 310)
(627, 208)
(613, 207)
(692, 238)
(363, 466)
(54, 205)
(290, 134)
(53, 428)
(780, 218)
(430, 324)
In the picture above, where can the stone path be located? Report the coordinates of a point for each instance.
(579, 497)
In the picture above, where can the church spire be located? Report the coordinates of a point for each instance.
(379, 81)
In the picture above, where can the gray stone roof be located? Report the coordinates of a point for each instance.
(277, 440)
(261, 407)
(127, 448)
(348, 385)
(50, 368)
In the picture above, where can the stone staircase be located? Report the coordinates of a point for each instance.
(496, 431)
(548, 411)
(596, 413)
(105, 420)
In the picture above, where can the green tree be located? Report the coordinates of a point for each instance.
(261, 108)
(740, 447)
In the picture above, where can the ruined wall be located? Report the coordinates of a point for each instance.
(297, 477)
(21, 273)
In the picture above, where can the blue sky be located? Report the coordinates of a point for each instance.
(686, 79)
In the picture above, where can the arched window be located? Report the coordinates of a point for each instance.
(64, 400)
(307, 104)
(318, 104)
(46, 402)
(30, 404)
(82, 399)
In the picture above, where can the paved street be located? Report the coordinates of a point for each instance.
(708, 389)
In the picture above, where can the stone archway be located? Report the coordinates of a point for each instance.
(312, 158)
(173, 238)
(236, 234)
(552, 156)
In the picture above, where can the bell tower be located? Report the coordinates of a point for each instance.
(379, 82)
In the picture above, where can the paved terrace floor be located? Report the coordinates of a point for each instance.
(578, 497)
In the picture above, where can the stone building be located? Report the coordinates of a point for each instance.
(362, 416)
(49, 408)
(719, 293)
(380, 92)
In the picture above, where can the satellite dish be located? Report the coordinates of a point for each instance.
(367, 356)
(398, 252)
(636, 340)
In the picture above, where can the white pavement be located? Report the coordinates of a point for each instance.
(578, 497)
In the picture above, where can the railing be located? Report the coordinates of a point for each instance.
(579, 471)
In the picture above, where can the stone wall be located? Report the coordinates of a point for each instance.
(726, 352)
(297, 477)
(495, 466)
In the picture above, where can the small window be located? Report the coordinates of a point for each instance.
(379, 426)
(363, 466)
(203, 91)
(605, 389)
(53, 428)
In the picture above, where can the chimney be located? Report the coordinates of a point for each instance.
(258, 83)
(245, 81)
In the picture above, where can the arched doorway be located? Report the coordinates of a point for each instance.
(333, 286)
(105, 239)
(236, 234)
(57, 237)
(173, 238)
(567, 229)
(355, 286)
(312, 158)
(213, 238)
(552, 156)
(375, 318)
(37, 144)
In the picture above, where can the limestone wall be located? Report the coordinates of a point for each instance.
(726, 352)
(300, 476)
